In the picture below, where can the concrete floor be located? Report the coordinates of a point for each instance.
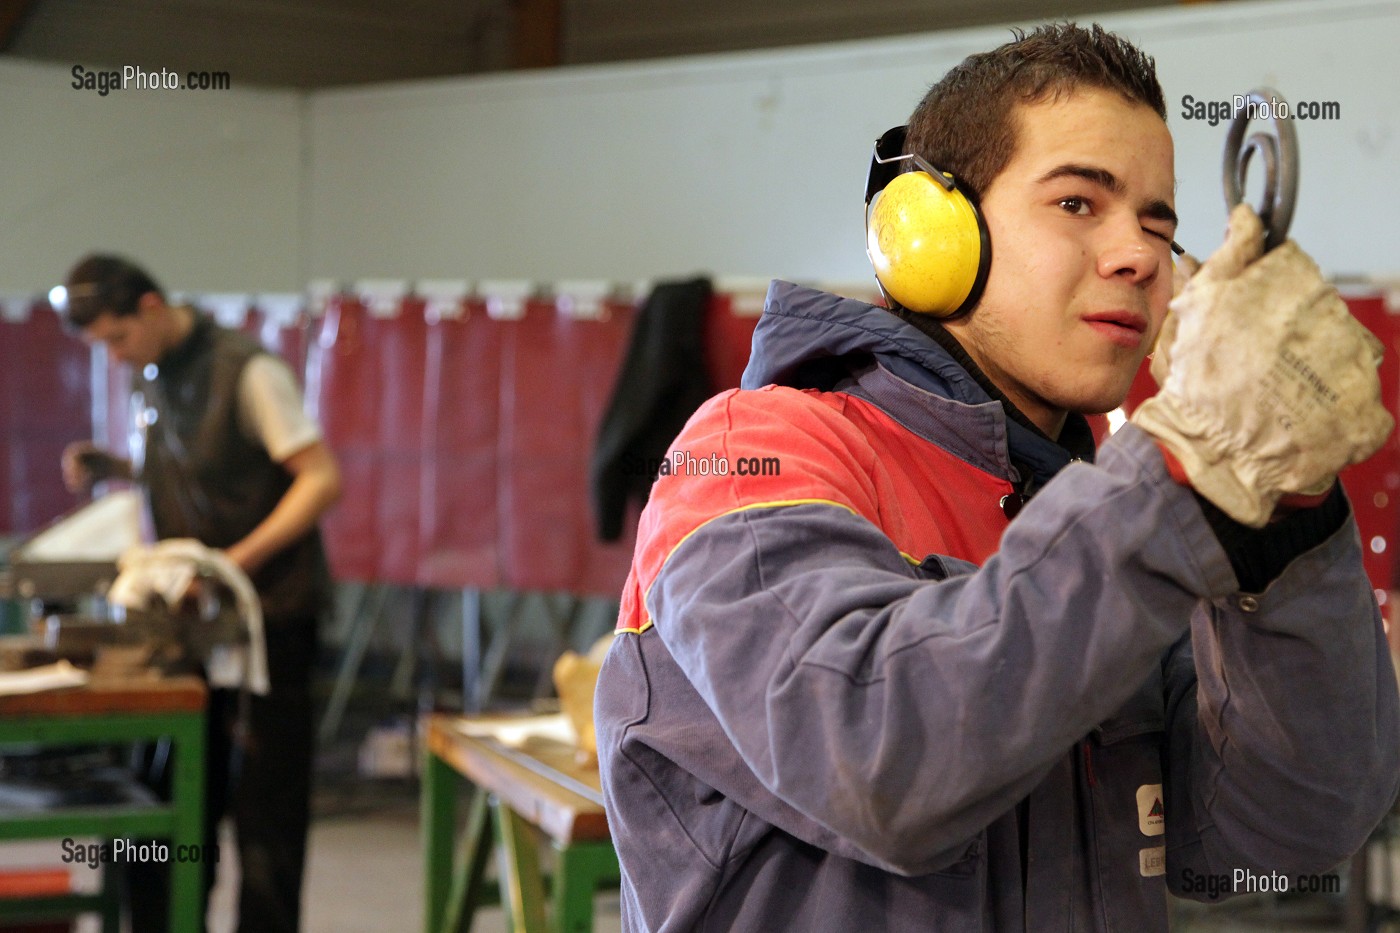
(365, 876)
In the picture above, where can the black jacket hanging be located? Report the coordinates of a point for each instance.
(662, 382)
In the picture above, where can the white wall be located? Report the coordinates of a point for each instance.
(202, 186)
(743, 164)
(753, 164)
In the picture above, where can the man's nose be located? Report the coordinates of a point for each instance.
(1130, 252)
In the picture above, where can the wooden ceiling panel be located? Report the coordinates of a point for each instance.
(326, 43)
(292, 43)
(607, 30)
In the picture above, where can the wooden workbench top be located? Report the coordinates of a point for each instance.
(537, 776)
(150, 693)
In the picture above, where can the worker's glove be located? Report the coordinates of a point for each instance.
(1268, 384)
(1183, 268)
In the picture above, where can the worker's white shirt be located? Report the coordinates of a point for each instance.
(270, 410)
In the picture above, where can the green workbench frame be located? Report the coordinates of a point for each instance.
(454, 885)
(181, 821)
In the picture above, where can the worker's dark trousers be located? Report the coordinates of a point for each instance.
(261, 776)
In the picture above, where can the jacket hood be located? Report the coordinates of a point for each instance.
(810, 339)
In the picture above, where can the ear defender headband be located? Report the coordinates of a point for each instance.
(924, 235)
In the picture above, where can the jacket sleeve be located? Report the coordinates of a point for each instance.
(904, 714)
(1284, 742)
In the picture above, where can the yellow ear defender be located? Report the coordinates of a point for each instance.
(924, 235)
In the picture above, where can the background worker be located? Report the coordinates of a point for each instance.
(228, 458)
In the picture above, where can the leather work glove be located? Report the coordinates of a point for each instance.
(1268, 384)
(1183, 267)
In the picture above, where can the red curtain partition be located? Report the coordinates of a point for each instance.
(287, 339)
(540, 436)
(1374, 486)
(12, 396)
(365, 375)
(343, 386)
(556, 375)
(464, 443)
(601, 345)
(728, 339)
(252, 326)
(402, 341)
(458, 525)
(47, 404)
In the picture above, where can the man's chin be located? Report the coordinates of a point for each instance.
(1101, 403)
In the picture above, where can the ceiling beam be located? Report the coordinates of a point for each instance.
(13, 13)
(538, 33)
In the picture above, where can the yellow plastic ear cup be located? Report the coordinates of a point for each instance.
(925, 244)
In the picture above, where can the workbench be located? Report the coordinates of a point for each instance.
(533, 785)
(116, 711)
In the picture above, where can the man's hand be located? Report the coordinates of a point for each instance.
(1268, 384)
(85, 464)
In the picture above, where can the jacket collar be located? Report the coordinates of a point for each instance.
(812, 339)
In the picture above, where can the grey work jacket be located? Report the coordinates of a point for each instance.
(1047, 742)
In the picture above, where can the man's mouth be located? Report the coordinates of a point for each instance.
(1121, 327)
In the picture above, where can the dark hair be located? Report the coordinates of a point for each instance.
(102, 284)
(964, 124)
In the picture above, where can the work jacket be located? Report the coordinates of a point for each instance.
(851, 694)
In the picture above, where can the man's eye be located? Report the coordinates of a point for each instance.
(1074, 205)
(1165, 238)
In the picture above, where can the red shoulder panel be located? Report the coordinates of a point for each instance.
(777, 446)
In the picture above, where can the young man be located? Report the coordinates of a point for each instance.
(231, 460)
(857, 696)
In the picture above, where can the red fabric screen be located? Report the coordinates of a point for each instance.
(343, 388)
(458, 526)
(47, 387)
(557, 373)
(1374, 486)
(287, 339)
(602, 347)
(402, 342)
(728, 340)
(365, 375)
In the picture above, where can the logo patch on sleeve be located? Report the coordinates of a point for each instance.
(1151, 816)
(1152, 862)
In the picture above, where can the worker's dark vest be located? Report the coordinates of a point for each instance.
(205, 480)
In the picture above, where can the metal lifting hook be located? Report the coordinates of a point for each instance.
(1280, 154)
